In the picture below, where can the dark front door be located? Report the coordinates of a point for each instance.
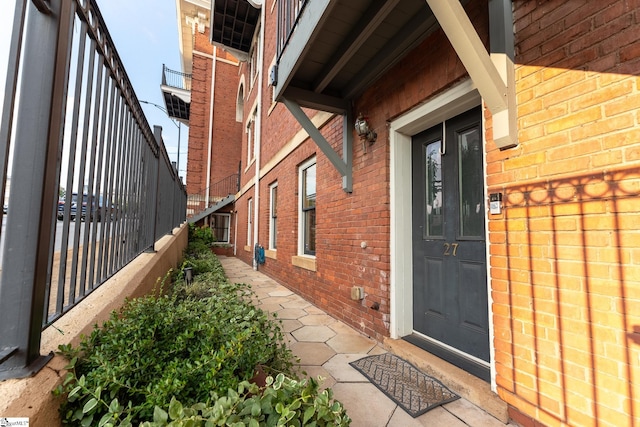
(450, 314)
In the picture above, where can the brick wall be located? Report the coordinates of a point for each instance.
(199, 116)
(226, 131)
(564, 253)
(346, 220)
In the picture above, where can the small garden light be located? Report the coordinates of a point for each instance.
(188, 275)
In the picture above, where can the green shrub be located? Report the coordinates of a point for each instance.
(201, 234)
(157, 348)
(284, 401)
(199, 343)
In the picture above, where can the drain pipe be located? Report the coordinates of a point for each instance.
(210, 141)
(258, 145)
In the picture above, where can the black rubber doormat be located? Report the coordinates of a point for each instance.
(411, 389)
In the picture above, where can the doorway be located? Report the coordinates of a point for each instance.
(450, 300)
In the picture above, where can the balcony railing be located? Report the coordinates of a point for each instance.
(208, 197)
(288, 13)
(175, 79)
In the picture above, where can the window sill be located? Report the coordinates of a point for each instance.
(251, 162)
(271, 253)
(306, 262)
(248, 249)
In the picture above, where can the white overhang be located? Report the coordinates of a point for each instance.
(492, 76)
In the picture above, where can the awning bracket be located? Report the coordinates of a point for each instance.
(344, 164)
(493, 74)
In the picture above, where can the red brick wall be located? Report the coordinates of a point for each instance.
(226, 132)
(564, 253)
(198, 124)
(345, 220)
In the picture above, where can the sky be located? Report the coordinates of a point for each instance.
(145, 34)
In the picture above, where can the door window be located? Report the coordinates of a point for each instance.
(433, 167)
(471, 173)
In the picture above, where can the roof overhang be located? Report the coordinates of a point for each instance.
(337, 49)
(177, 103)
(233, 24)
(192, 15)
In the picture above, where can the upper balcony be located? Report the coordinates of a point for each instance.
(176, 90)
(330, 51)
(233, 24)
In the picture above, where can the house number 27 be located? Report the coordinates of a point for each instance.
(450, 249)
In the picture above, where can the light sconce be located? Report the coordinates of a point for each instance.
(364, 131)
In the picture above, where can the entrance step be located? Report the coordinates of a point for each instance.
(461, 382)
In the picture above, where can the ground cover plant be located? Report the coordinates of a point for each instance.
(195, 344)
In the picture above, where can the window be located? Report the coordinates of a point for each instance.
(254, 59)
(249, 221)
(240, 103)
(220, 227)
(252, 136)
(250, 127)
(273, 215)
(307, 218)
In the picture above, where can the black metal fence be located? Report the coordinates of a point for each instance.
(87, 184)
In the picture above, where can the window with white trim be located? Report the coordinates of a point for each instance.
(252, 136)
(307, 210)
(220, 227)
(240, 104)
(273, 216)
(254, 59)
(249, 221)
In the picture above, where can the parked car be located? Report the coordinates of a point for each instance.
(96, 203)
(96, 210)
(74, 205)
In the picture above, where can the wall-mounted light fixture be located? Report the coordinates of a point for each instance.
(364, 131)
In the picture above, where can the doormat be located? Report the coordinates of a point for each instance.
(411, 389)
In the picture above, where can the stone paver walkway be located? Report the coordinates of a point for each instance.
(325, 346)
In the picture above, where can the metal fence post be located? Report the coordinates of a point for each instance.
(154, 177)
(30, 221)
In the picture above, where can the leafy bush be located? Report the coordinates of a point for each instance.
(284, 401)
(200, 235)
(157, 348)
(200, 259)
(200, 344)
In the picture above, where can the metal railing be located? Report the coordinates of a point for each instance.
(90, 185)
(288, 13)
(207, 197)
(175, 79)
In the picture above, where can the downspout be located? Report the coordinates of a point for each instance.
(258, 142)
(235, 232)
(213, 91)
